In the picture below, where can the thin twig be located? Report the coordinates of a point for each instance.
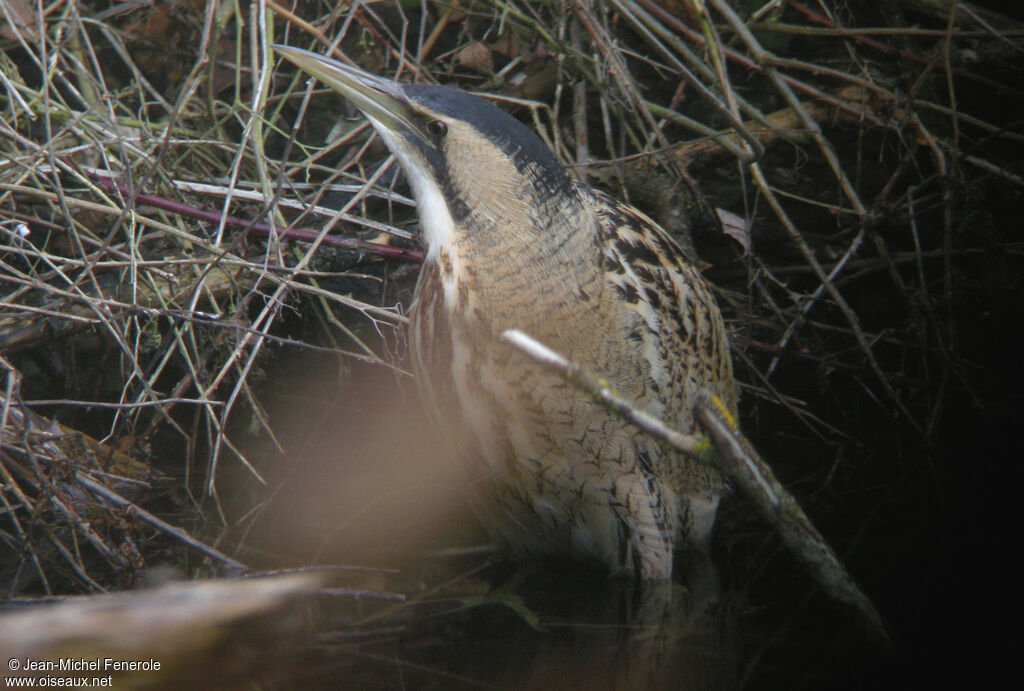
(161, 525)
(734, 456)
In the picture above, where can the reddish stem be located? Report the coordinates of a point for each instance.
(291, 233)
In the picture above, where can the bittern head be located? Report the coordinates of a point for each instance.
(470, 164)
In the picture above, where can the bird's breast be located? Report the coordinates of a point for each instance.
(612, 293)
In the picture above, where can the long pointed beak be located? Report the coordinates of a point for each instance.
(381, 100)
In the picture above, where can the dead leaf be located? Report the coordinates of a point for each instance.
(735, 227)
(476, 56)
(22, 20)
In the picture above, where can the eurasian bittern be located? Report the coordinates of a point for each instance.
(513, 242)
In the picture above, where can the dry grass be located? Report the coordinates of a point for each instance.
(149, 157)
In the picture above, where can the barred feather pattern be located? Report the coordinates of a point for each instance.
(552, 472)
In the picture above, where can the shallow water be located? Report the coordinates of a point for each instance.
(553, 626)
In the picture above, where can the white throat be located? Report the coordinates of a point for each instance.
(435, 219)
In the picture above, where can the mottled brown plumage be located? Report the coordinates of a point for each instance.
(512, 242)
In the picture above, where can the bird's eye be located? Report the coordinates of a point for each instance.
(437, 128)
